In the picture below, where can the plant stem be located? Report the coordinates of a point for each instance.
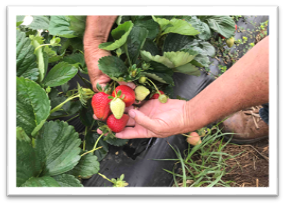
(61, 104)
(155, 86)
(104, 177)
(83, 80)
(127, 54)
(97, 141)
(94, 147)
(41, 46)
(72, 118)
(91, 151)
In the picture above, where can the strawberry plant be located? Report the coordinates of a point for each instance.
(146, 50)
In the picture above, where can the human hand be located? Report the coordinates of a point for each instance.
(92, 55)
(156, 119)
(96, 32)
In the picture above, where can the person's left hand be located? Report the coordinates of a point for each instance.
(155, 119)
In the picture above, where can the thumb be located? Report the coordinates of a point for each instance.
(142, 119)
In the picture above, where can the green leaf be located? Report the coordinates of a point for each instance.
(116, 141)
(25, 58)
(60, 74)
(77, 24)
(135, 42)
(181, 27)
(177, 26)
(160, 59)
(163, 23)
(33, 105)
(201, 61)
(66, 180)
(112, 66)
(223, 25)
(175, 42)
(152, 27)
(28, 165)
(19, 20)
(87, 166)
(59, 143)
(208, 48)
(202, 27)
(188, 69)
(160, 72)
(76, 59)
(151, 47)
(39, 22)
(180, 58)
(85, 115)
(60, 26)
(202, 47)
(120, 35)
(41, 182)
(21, 135)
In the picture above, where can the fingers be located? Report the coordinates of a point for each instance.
(142, 119)
(133, 133)
(129, 84)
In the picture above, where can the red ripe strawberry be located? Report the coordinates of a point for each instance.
(221, 36)
(100, 105)
(117, 125)
(235, 27)
(156, 95)
(129, 97)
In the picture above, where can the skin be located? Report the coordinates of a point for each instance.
(95, 34)
(245, 84)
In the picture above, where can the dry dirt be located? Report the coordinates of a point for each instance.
(251, 168)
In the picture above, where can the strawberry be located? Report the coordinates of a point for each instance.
(141, 93)
(100, 105)
(230, 42)
(117, 125)
(221, 36)
(156, 95)
(129, 94)
(235, 27)
(117, 107)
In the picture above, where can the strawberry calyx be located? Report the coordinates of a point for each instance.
(107, 132)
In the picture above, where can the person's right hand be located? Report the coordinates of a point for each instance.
(156, 119)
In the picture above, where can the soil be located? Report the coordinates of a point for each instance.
(251, 168)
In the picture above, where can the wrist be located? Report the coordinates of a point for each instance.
(193, 116)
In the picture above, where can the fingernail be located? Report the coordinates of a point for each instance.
(132, 114)
(118, 135)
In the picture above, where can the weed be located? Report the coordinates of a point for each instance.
(203, 165)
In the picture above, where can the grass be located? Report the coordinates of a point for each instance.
(203, 165)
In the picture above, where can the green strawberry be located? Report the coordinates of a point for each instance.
(117, 107)
(163, 98)
(142, 80)
(230, 42)
(141, 93)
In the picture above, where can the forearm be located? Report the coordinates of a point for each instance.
(97, 29)
(245, 84)
(96, 32)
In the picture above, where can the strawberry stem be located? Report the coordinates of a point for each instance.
(104, 177)
(155, 87)
(61, 104)
(91, 151)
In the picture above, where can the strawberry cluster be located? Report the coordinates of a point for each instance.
(110, 108)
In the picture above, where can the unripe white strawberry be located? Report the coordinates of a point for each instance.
(141, 93)
(117, 107)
